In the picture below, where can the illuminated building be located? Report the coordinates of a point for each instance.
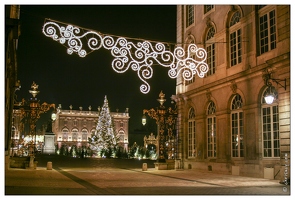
(74, 127)
(224, 122)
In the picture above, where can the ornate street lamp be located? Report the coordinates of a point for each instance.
(32, 109)
(53, 115)
(143, 120)
(166, 122)
(270, 96)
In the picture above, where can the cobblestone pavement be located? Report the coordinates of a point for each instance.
(125, 177)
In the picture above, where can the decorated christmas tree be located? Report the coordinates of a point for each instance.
(104, 140)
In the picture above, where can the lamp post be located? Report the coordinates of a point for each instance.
(32, 110)
(166, 122)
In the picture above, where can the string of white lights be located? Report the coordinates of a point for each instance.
(138, 56)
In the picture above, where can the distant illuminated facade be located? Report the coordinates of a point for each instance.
(74, 127)
(225, 124)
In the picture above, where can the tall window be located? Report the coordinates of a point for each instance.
(270, 127)
(84, 134)
(237, 127)
(267, 31)
(65, 134)
(207, 8)
(121, 135)
(211, 130)
(210, 47)
(189, 15)
(191, 133)
(74, 134)
(235, 40)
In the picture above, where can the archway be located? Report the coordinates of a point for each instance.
(151, 146)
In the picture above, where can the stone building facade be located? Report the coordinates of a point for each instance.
(74, 127)
(12, 33)
(224, 122)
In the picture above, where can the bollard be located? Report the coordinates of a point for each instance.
(49, 165)
(144, 166)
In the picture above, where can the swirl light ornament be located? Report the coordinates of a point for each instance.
(138, 56)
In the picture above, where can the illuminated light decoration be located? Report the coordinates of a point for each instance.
(138, 56)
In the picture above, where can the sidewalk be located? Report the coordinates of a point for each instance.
(113, 181)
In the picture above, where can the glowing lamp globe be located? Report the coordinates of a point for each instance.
(53, 116)
(269, 98)
(143, 120)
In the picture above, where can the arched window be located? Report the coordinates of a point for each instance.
(211, 130)
(210, 47)
(121, 134)
(65, 133)
(235, 37)
(74, 134)
(237, 127)
(191, 133)
(270, 126)
(235, 18)
(84, 134)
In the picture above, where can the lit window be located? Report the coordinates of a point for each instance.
(211, 130)
(84, 135)
(191, 133)
(65, 134)
(74, 134)
(121, 135)
(121, 138)
(270, 127)
(237, 127)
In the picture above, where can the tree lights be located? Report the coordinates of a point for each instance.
(104, 137)
(139, 56)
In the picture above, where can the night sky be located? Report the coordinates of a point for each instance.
(70, 80)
